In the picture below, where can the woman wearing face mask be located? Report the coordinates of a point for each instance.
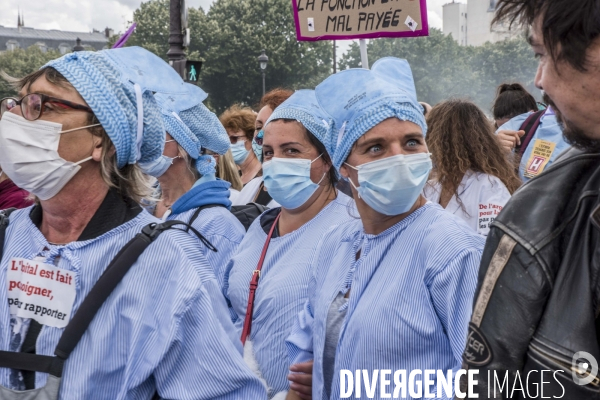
(254, 191)
(75, 138)
(190, 191)
(395, 289)
(239, 124)
(298, 174)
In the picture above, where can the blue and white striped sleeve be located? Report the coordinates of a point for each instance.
(232, 314)
(300, 341)
(452, 290)
(201, 363)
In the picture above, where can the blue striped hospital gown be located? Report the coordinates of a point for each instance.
(222, 229)
(165, 327)
(282, 287)
(411, 294)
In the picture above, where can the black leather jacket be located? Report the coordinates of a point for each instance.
(538, 293)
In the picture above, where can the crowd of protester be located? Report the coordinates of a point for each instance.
(152, 249)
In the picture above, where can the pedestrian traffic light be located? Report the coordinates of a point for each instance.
(192, 71)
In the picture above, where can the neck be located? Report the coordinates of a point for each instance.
(3, 177)
(173, 185)
(292, 220)
(65, 216)
(374, 222)
(250, 168)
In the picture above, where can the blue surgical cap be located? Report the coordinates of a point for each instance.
(193, 126)
(359, 99)
(303, 107)
(117, 85)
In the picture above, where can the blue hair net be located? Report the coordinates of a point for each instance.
(117, 85)
(303, 107)
(193, 126)
(359, 99)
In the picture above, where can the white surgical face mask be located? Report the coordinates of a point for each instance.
(29, 155)
(392, 185)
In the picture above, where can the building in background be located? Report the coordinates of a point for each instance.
(455, 21)
(23, 37)
(475, 17)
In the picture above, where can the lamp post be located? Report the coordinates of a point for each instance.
(176, 53)
(78, 46)
(262, 62)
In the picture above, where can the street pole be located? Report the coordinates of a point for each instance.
(263, 60)
(334, 58)
(364, 59)
(176, 54)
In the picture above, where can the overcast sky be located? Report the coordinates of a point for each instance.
(85, 15)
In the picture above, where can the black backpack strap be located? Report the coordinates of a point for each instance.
(262, 197)
(29, 347)
(4, 214)
(530, 125)
(199, 209)
(200, 236)
(72, 334)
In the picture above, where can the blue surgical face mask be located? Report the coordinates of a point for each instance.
(257, 148)
(288, 181)
(159, 166)
(392, 185)
(239, 152)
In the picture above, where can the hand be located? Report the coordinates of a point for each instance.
(301, 380)
(510, 139)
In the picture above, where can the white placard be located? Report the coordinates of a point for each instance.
(40, 291)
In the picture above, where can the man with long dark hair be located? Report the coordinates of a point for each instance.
(534, 325)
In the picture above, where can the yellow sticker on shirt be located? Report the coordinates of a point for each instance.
(540, 156)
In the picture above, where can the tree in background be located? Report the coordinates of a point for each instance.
(20, 62)
(237, 31)
(229, 38)
(443, 69)
(152, 31)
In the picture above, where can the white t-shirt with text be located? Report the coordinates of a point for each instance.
(483, 196)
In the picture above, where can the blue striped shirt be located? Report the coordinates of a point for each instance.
(222, 229)
(165, 327)
(282, 288)
(411, 294)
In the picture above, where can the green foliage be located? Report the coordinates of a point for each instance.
(19, 63)
(152, 31)
(229, 38)
(443, 69)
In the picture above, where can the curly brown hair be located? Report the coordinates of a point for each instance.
(275, 97)
(461, 138)
(237, 118)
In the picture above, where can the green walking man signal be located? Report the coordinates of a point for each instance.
(192, 70)
(188, 69)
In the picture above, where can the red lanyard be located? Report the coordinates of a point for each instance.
(254, 284)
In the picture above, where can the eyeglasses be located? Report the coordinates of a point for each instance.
(234, 139)
(259, 138)
(33, 105)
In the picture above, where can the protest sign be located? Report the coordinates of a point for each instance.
(359, 19)
(40, 291)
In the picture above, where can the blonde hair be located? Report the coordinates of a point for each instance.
(228, 171)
